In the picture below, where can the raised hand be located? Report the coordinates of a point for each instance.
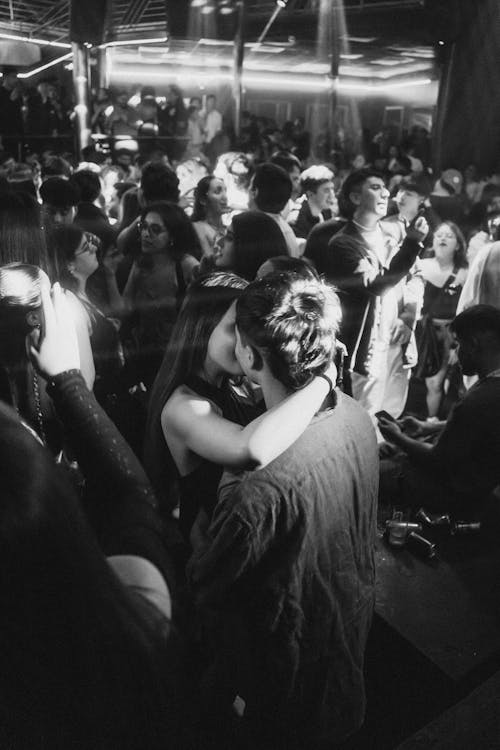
(57, 349)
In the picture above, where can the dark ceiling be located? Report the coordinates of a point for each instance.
(51, 20)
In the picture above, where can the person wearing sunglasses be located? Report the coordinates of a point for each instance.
(157, 283)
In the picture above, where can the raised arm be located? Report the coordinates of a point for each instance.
(349, 268)
(103, 455)
(193, 421)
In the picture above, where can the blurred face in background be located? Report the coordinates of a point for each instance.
(216, 201)
(57, 214)
(324, 196)
(224, 249)
(154, 234)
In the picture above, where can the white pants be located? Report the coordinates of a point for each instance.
(388, 389)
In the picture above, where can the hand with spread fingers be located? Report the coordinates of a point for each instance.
(57, 350)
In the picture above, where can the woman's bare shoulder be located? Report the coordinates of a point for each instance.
(184, 404)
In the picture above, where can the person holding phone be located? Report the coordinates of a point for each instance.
(460, 468)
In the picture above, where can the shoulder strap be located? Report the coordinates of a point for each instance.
(181, 281)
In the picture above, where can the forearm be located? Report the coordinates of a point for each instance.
(277, 429)
(398, 268)
(417, 451)
(102, 453)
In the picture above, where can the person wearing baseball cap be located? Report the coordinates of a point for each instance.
(447, 198)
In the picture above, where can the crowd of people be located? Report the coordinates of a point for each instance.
(211, 371)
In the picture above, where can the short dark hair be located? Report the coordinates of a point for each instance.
(273, 186)
(59, 192)
(416, 184)
(293, 322)
(88, 184)
(286, 264)
(477, 319)
(159, 183)
(257, 238)
(352, 184)
(56, 166)
(286, 160)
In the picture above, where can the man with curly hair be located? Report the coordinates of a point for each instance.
(289, 564)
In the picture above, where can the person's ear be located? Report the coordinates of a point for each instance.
(355, 198)
(252, 358)
(33, 319)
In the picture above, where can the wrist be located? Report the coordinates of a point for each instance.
(54, 380)
(326, 380)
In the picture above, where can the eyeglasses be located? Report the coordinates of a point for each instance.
(154, 230)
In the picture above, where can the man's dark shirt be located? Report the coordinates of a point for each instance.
(316, 248)
(467, 454)
(353, 267)
(292, 561)
(306, 220)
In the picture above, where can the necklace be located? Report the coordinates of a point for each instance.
(215, 227)
(38, 407)
(39, 434)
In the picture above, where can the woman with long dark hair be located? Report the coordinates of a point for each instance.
(158, 281)
(74, 259)
(197, 421)
(22, 239)
(250, 240)
(210, 204)
(87, 651)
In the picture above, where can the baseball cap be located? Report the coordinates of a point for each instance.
(452, 180)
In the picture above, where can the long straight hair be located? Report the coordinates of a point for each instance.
(63, 242)
(22, 238)
(207, 300)
(83, 663)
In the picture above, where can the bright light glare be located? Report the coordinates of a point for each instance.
(126, 42)
(381, 87)
(46, 66)
(18, 38)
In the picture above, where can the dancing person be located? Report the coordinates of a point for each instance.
(59, 200)
(293, 539)
(270, 190)
(210, 204)
(89, 655)
(320, 203)
(198, 421)
(250, 240)
(158, 281)
(362, 264)
(444, 274)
